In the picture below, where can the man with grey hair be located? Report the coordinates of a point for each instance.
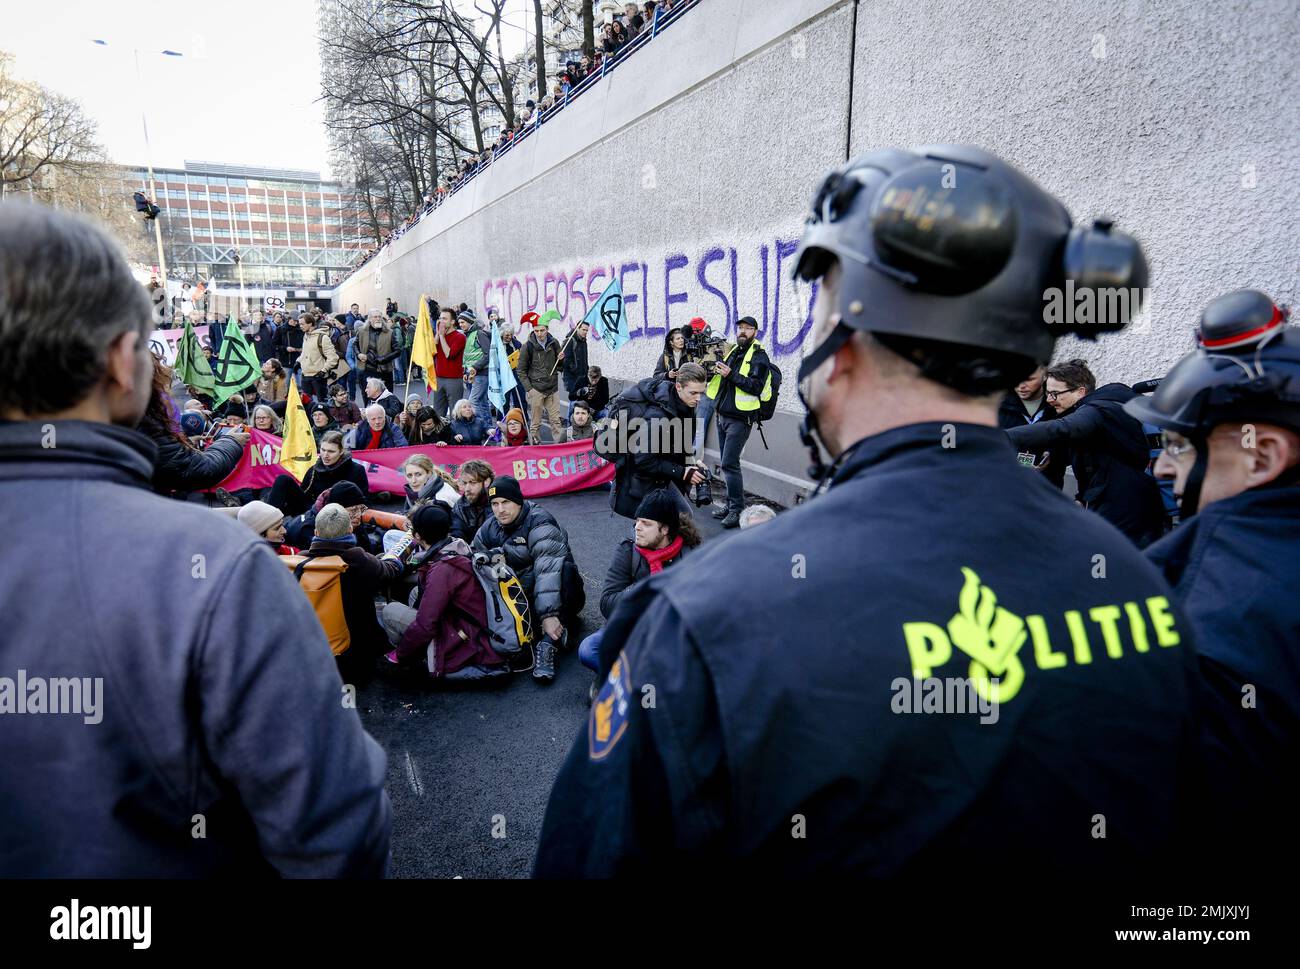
(250, 742)
(756, 515)
(379, 430)
(377, 392)
(379, 344)
(365, 577)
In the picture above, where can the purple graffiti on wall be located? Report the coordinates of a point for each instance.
(667, 291)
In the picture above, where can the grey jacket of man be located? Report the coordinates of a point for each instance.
(220, 710)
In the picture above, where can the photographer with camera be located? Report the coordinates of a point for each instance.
(737, 384)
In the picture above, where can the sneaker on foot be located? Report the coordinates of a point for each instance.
(722, 512)
(732, 520)
(544, 661)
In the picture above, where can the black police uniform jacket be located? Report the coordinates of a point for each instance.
(1235, 570)
(1110, 454)
(780, 732)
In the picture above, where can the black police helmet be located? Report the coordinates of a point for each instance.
(950, 245)
(1247, 368)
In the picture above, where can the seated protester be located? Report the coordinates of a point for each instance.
(345, 413)
(333, 466)
(378, 431)
(322, 422)
(366, 575)
(378, 393)
(662, 537)
(467, 427)
(429, 429)
(446, 632)
(537, 548)
(580, 427)
(268, 522)
(407, 419)
(252, 399)
(516, 434)
(266, 420)
(273, 386)
(424, 484)
(232, 411)
(181, 467)
(472, 508)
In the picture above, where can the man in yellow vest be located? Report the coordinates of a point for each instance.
(739, 383)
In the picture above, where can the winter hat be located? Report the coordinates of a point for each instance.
(659, 506)
(347, 494)
(318, 406)
(260, 517)
(432, 522)
(192, 423)
(466, 315)
(515, 414)
(506, 487)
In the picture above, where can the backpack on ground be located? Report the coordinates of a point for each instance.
(509, 616)
(322, 581)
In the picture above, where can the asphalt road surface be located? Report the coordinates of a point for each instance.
(463, 762)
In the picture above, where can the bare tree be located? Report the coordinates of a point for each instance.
(539, 51)
(40, 131)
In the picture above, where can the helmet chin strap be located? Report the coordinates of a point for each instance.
(1187, 504)
(809, 433)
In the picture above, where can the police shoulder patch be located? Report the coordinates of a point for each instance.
(608, 720)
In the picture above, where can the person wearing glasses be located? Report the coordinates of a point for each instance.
(1230, 414)
(1108, 449)
(1027, 404)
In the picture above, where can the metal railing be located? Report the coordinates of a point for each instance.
(608, 64)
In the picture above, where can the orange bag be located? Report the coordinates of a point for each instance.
(322, 580)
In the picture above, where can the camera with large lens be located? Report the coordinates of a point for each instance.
(704, 489)
(701, 343)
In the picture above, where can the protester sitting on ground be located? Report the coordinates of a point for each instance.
(241, 405)
(344, 412)
(289, 782)
(447, 630)
(265, 419)
(662, 536)
(378, 431)
(472, 508)
(273, 385)
(430, 429)
(425, 484)
(406, 420)
(1108, 450)
(322, 422)
(467, 427)
(365, 577)
(334, 465)
(378, 393)
(537, 548)
(268, 522)
(756, 515)
(516, 435)
(181, 467)
(580, 427)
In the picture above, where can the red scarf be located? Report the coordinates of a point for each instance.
(658, 556)
(517, 440)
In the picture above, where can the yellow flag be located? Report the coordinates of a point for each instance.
(298, 451)
(422, 347)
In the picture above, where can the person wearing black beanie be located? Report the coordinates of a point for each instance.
(431, 523)
(506, 487)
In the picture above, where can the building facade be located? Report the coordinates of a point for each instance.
(280, 227)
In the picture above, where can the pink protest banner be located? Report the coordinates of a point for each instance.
(163, 343)
(260, 466)
(542, 469)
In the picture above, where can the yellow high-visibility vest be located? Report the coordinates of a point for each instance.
(744, 401)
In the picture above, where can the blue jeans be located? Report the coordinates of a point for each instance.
(589, 650)
(732, 435)
(703, 411)
(476, 392)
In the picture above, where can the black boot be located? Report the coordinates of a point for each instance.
(722, 512)
(732, 520)
(544, 661)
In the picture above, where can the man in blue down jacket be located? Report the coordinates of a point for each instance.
(210, 734)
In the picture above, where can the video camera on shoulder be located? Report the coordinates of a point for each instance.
(701, 343)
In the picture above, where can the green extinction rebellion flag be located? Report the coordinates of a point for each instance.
(191, 365)
(237, 367)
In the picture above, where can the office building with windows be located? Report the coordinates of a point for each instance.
(282, 228)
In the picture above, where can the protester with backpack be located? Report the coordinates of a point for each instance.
(536, 547)
(447, 629)
(650, 436)
(739, 384)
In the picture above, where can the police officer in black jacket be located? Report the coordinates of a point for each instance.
(1230, 411)
(787, 734)
(738, 383)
